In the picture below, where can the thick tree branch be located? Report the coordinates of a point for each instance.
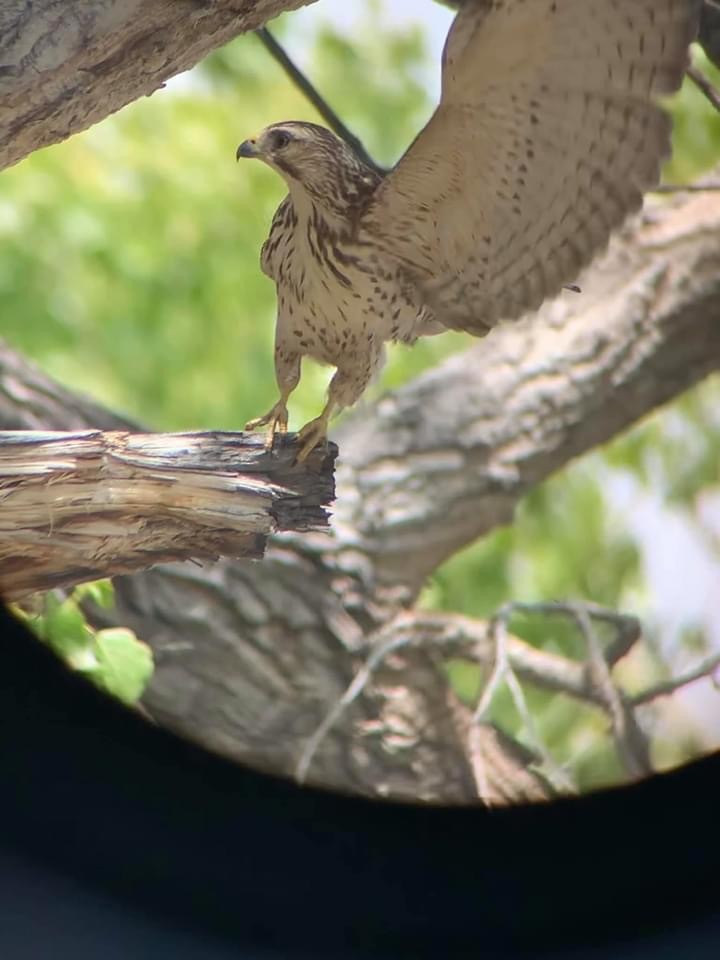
(80, 506)
(29, 400)
(64, 66)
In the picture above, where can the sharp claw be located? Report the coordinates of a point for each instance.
(278, 424)
(310, 436)
(305, 451)
(277, 418)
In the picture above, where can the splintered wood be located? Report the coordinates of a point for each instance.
(83, 505)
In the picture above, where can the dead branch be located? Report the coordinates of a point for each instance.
(707, 668)
(501, 674)
(65, 66)
(704, 86)
(687, 188)
(505, 657)
(79, 506)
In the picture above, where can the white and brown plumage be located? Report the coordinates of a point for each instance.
(546, 135)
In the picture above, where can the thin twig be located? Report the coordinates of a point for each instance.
(465, 637)
(704, 86)
(503, 671)
(498, 632)
(598, 663)
(686, 188)
(558, 776)
(448, 631)
(356, 687)
(703, 670)
(315, 97)
(626, 626)
(511, 657)
(629, 739)
(631, 743)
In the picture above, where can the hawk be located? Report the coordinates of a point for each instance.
(546, 135)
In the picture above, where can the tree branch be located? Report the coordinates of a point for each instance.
(687, 188)
(704, 86)
(705, 669)
(631, 743)
(80, 506)
(506, 658)
(503, 674)
(65, 66)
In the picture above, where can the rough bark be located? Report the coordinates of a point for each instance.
(250, 657)
(65, 64)
(81, 506)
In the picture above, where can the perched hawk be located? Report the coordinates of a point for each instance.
(546, 135)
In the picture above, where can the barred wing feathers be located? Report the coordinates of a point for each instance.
(546, 136)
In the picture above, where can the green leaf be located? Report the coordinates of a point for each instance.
(124, 664)
(100, 592)
(65, 629)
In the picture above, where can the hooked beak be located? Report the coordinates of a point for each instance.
(248, 148)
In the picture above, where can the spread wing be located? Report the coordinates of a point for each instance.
(546, 136)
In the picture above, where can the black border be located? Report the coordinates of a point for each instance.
(157, 832)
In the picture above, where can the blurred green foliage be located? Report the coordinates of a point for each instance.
(129, 269)
(114, 659)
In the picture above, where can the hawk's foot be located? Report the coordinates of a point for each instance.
(276, 418)
(311, 435)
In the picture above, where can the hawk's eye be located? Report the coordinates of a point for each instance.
(280, 139)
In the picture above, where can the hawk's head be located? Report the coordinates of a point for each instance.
(312, 159)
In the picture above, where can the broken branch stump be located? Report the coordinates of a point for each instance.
(82, 505)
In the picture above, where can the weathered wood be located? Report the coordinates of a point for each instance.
(78, 506)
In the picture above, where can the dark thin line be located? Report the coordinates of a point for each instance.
(685, 187)
(704, 86)
(315, 97)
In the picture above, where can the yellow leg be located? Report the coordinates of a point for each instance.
(276, 418)
(314, 432)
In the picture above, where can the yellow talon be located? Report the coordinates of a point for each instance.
(276, 417)
(312, 434)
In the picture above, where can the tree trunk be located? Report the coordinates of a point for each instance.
(252, 657)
